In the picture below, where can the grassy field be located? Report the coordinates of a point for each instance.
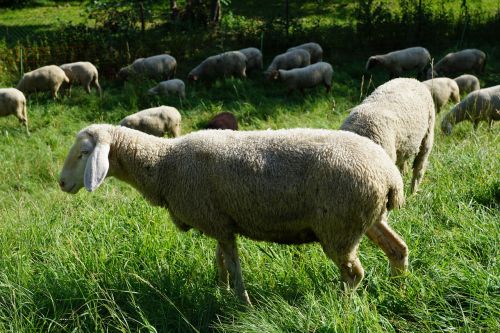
(109, 262)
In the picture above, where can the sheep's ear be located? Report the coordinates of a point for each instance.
(97, 167)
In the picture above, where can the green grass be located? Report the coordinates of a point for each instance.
(109, 261)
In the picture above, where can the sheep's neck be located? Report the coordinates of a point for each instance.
(461, 114)
(135, 159)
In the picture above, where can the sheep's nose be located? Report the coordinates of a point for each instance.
(61, 183)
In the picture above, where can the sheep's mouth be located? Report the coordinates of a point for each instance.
(71, 190)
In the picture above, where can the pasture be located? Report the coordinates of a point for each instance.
(110, 262)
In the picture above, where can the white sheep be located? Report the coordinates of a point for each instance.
(12, 101)
(293, 59)
(396, 62)
(46, 78)
(467, 83)
(253, 58)
(83, 73)
(314, 49)
(399, 115)
(155, 121)
(158, 67)
(443, 89)
(483, 104)
(306, 77)
(231, 63)
(166, 88)
(464, 61)
(286, 186)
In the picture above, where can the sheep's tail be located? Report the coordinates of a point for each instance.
(396, 195)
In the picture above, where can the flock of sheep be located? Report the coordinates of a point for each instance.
(288, 186)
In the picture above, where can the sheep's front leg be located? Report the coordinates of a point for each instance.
(232, 263)
(392, 245)
(221, 268)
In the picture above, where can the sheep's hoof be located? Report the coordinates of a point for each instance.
(245, 299)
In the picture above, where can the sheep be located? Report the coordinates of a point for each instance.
(293, 59)
(483, 104)
(253, 58)
(46, 78)
(467, 83)
(443, 89)
(158, 67)
(84, 73)
(306, 77)
(224, 120)
(231, 63)
(287, 186)
(12, 101)
(174, 86)
(397, 62)
(460, 62)
(314, 50)
(155, 121)
(398, 115)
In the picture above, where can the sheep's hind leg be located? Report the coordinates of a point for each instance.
(232, 263)
(420, 162)
(392, 245)
(223, 274)
(348, 262)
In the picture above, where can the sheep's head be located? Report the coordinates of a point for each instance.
(274, 74)
(372, 62)
(446, 125)
(431, 74)
(124, 73)
(192, 77)
(87, 162)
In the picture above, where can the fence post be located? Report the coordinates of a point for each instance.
(21, 60)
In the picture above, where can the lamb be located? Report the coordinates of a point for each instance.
(287, 186)
(396, 62)
(12, 101)
(231, 63)
(155, 121)
(442, 89)
(314, 49)
(253, 58)
(460, 62)
(306, 77)
(84, 73)
(46, 78)
(398, 115)
(293, 59)
(158, 67)
(224, 120)
(483, 104)
(467, 83)
(166, 88)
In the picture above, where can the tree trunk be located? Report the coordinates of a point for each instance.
(141, 14)
(215, 11)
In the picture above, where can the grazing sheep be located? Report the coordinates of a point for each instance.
(398, 115)
(314, 50)
(293, 59)
(306, 77)
(158, 67)
(483, 104)
(287, 186)
(253, 59)
(467, 83)
(397, 62)
(12, 101)
(464, 61)
(46, 78)
(443, 89)
(155, 121)
(83, 73)
(224, 120)
(166, 88)
(231, 63)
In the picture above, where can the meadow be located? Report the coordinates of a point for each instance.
(110, 262)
